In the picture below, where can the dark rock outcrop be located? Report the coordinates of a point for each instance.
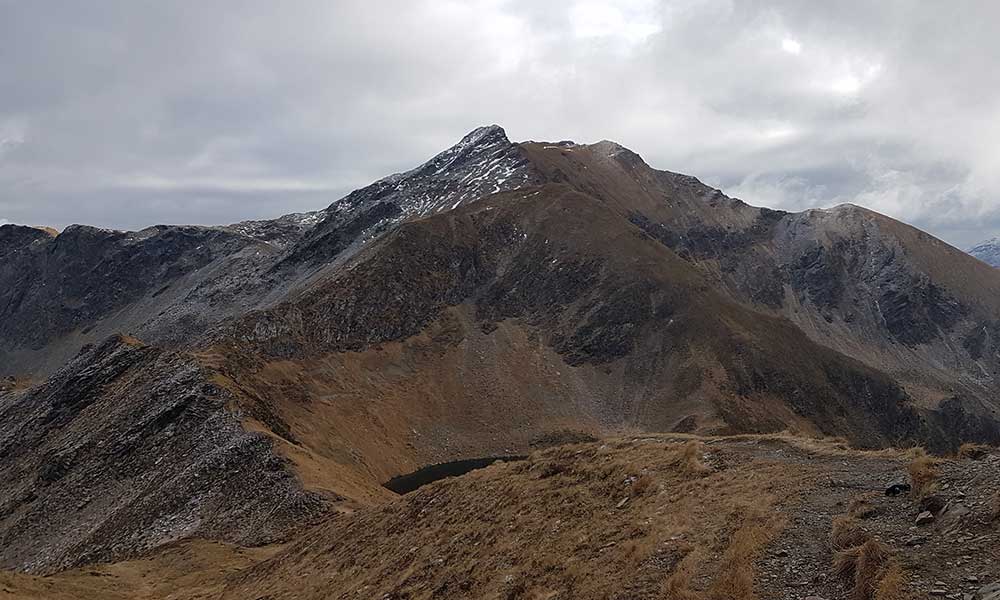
(130, 447)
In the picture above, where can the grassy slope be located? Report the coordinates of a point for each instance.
(644, 517)
(189, 570)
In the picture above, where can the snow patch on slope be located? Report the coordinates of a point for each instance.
(987, 251)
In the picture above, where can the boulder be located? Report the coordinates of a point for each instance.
(897, 489)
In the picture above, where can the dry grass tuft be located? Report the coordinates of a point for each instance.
(678, 584)
(913, 452)
(893, 583)
(995, 507)
(844, 563)
(643, 485)
(552, 468)
(870, 570)
(971, 451)
(923, 475)
(861, 508)
(864, 566)
(690, 461)
(847, 533)
(863, 562)
(736, 575)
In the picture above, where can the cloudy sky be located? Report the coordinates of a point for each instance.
(128, 113)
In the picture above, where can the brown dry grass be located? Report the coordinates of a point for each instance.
(188, 570)
(690, 459)
(995, 507)
(863, 562)
(893, 583)
(642, 518)
(643, 485)
(554, 526)
(736, 576)
(15, 383)
(678, 584)
(864, 568)
(846, 533)
(861, 507)
(820, 446)
(923, 475)
(844, 563)
(969, 451)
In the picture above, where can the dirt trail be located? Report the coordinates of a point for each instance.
(954, 555)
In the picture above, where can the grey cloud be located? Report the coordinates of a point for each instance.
(125, 113)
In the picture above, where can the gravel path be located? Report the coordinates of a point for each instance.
(955, 556)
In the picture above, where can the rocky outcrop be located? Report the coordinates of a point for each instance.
(130, 447)
(484, 162)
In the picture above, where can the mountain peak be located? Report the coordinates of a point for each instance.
(488, 134)
(618, 152)
(15, 237)
(610, 148)
(993, 241)
(987, 251)
(483, 162)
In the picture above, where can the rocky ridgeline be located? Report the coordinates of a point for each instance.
(128, 448)
(168, 284)
(484, 162)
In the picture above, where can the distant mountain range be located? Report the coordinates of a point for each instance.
(987, 251)
(236, 382)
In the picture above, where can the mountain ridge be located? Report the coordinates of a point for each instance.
(494, 295)
(987, 251)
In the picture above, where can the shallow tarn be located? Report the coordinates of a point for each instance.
(406, 483)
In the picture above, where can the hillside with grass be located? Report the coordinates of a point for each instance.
(665, 516)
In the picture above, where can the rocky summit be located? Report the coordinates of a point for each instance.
(689, 396)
